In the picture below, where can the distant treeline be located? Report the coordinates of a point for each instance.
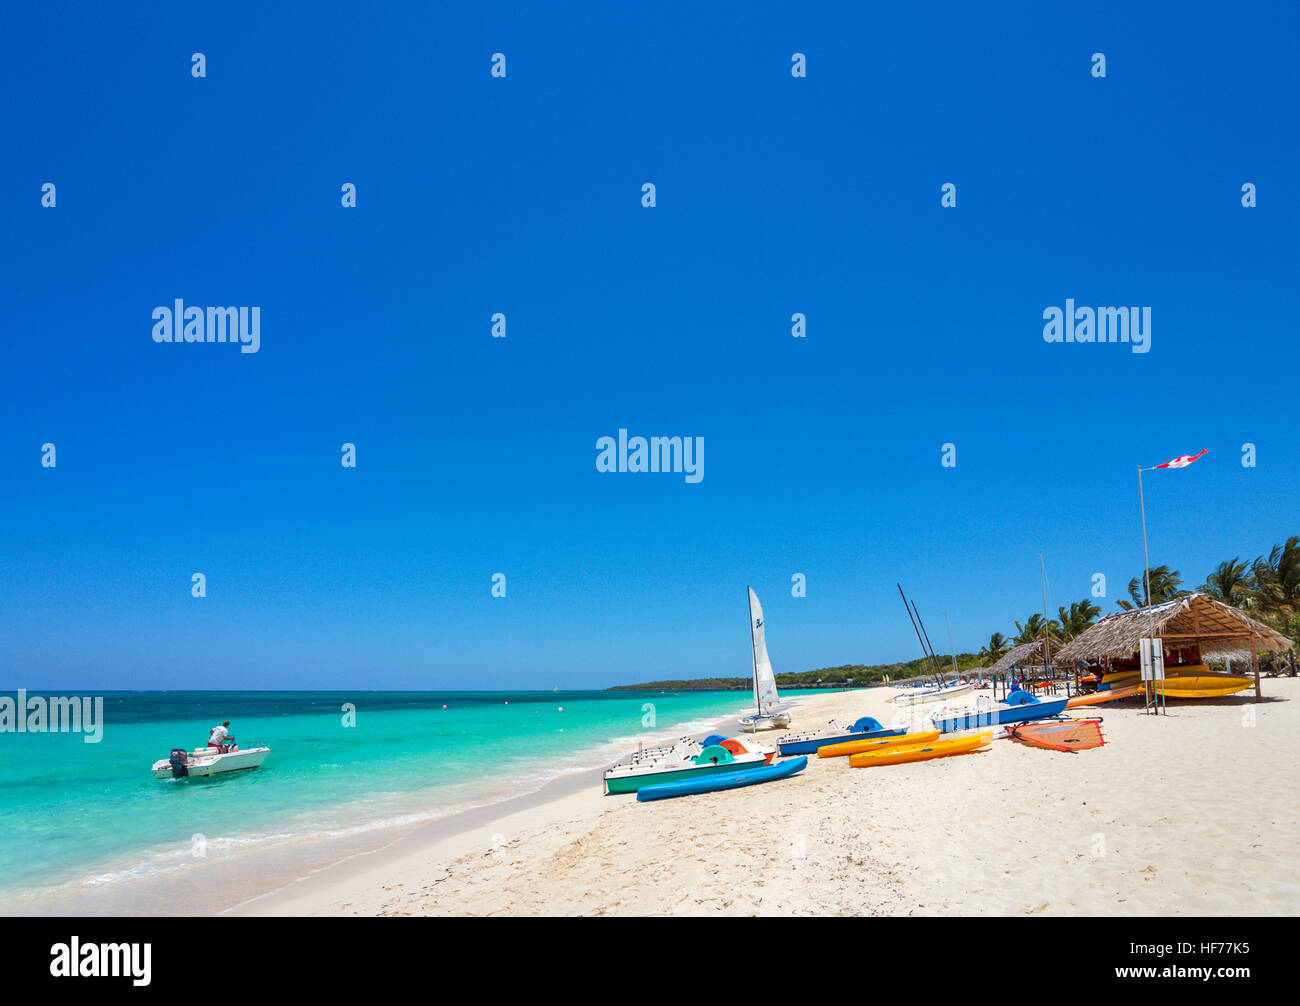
(1266, 587)
(847, 675)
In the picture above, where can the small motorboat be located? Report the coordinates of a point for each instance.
(203, 762)
(866, 728)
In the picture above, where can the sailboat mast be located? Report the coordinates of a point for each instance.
(1042, 570)
(933, 659)
(753, 651)
(951, 645)
(911, 619)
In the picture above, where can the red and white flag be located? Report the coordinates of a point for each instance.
(1184, 461)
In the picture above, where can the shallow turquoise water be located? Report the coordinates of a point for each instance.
(72, 811)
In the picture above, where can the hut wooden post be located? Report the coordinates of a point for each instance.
(1254, 661)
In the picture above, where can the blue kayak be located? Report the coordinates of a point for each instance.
(1018, 707)
(865, 729)
(724, 780)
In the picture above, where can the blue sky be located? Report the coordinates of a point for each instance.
(522, 195)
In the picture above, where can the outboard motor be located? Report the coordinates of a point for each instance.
(178, 759)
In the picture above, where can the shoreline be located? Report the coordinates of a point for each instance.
(482, 829)
(1170, 817)
(486, 831)
(234, 883)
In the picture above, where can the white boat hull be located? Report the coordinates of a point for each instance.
(768, 721)
(920, 696)
(204, 762)
(649, 766)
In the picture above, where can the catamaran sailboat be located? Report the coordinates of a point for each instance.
(766, 716)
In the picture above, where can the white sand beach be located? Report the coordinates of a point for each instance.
(1192, 813)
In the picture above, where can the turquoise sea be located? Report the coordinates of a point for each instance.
(78, 815)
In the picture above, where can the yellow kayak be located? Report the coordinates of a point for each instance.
(921, 752)
(853, 747)
(1203, 686)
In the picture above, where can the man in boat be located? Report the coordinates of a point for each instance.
(221, 738)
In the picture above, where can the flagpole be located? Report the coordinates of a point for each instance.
(1042, 571)
(1179, 462)
(1146, 557)
(1146, 572)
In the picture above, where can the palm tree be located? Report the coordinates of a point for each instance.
(1077, 617)
(1230, 582)
(1033, 630)
(1277, 581)
(995, 649)
(1165, 584)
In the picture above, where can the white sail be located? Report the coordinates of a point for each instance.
(764, 680)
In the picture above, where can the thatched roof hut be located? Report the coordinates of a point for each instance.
(1219, 630)
(1026, 653)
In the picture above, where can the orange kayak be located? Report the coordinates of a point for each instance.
(922, 752)
(881, 743)
(1097, 698)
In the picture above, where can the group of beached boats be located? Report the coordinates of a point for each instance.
(689, 766)
(726, 763)
(717, 763)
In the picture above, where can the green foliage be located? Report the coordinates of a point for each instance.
(995, 649)
(854, 675)
(1268, 587)
(1076, 618)
(1166, 585)
(864, 674)
(1033, 630)
(1273, 588)
(690, 685)
(1229, 581)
